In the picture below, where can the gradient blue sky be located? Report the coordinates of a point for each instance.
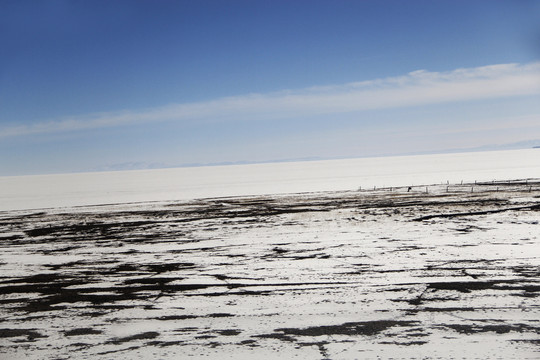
(97, 85)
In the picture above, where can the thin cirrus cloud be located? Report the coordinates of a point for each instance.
(413, 89)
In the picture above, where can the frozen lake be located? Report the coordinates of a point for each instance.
(45, 191)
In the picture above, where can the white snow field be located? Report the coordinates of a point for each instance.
(44, 191)
(289, 269)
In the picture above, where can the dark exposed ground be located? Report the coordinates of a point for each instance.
(451, 272)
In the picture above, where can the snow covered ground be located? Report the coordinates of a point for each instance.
(438, 271)
(46, 191)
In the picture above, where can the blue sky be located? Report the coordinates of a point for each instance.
(97, 85)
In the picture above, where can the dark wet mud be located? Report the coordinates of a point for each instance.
(366, 274)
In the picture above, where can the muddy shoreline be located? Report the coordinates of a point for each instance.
(432, 271)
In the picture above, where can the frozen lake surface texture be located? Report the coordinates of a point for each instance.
(290, 260)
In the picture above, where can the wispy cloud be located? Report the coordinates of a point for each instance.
(413, 89)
